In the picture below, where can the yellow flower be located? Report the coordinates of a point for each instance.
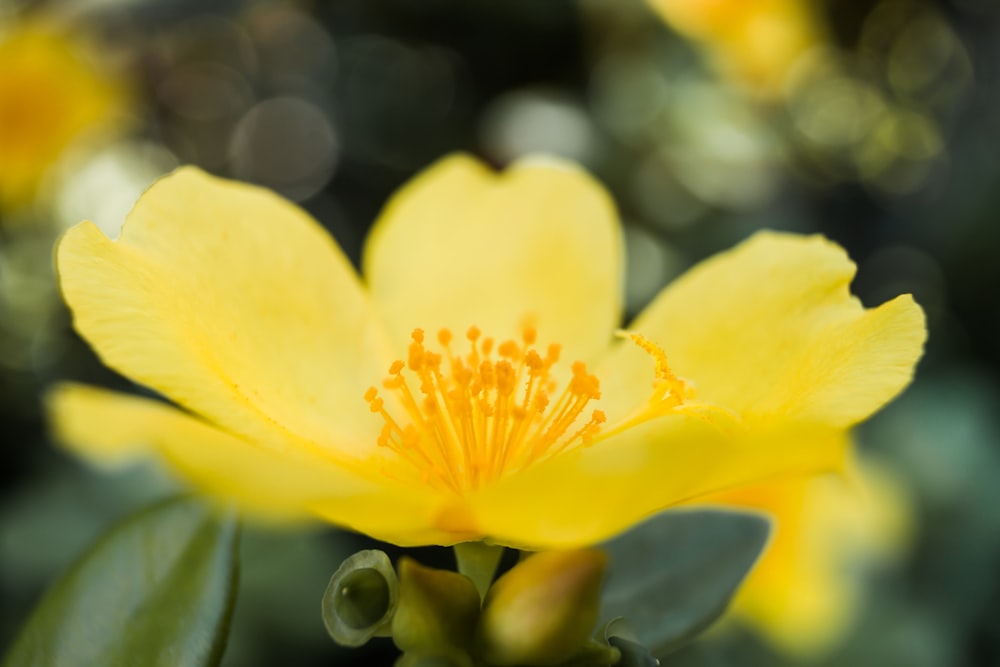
(308, 389)
(829, 531)
(50, 96)
(753, 41)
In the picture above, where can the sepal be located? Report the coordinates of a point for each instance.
(542, 611)
(361, 598)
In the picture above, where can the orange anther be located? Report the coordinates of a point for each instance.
(415, 359)
(505, 377)
(534, 362)
(474, 418)
(529, 335)
(552, 354)
(486, 372)
(509, 350)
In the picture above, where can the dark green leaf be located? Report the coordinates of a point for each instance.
(671, 576)
(158, 589)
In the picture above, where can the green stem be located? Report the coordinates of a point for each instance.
(478, 561)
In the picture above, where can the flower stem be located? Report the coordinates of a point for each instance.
(478, 561)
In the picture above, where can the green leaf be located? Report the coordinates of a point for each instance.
(671, 576)
(157, 589)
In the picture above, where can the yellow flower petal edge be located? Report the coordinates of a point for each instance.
(756, 42)
(461, 245)
(770, 330)
(235, 304)
(113, 430)
(485, 421)
(830, 533)
(605, 489)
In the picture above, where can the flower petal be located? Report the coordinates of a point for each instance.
(462, 245)
(111, 429)
(235, 304)
(591, 494)
(829, 533)
(770, 330)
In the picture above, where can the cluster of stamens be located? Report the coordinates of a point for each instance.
(474, 418)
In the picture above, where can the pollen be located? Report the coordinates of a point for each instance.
(467, 418)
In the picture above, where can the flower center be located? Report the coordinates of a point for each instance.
(475, 417)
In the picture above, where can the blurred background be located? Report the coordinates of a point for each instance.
(873, 122)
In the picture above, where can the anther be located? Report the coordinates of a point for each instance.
(474, 418)
(529, 335)
(509, 350)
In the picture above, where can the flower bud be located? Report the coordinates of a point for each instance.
(360, 598)
(455, 659)
(437, 610)
(543, 610)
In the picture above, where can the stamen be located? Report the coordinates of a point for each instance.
(668, 389)
(670, 393)
(478, 417)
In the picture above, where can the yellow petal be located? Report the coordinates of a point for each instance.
(807, 587)
(756, 42)
(462, 245)
(51, 95)
(591, 494)
(111, 429)
(235, 304)
(770, 330)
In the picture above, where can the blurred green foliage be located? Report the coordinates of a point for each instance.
(890, 148)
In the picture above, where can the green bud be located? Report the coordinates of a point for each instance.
(360, 599)
(437, 610)
(543, 610)
(453, 659)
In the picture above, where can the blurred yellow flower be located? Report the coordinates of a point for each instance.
(307, 389)
(753, 41)
(829, 533)
(50, 97)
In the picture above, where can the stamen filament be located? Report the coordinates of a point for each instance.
(490, 412)
(486, 414)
